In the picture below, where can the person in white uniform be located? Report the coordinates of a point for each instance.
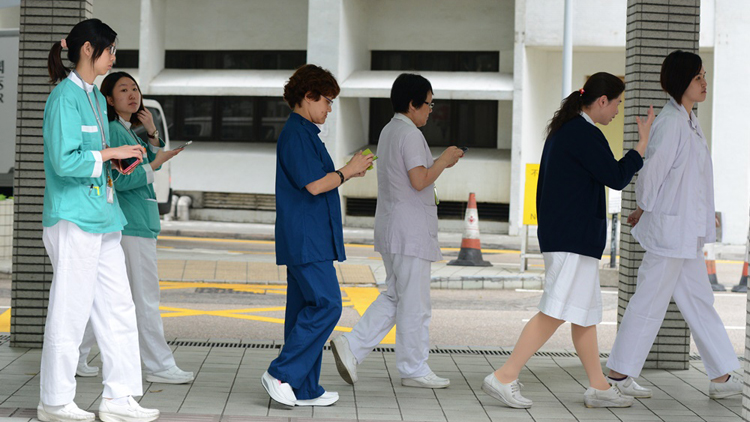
(576, 164)
(674, 219)
(406, 237)
(82, 221)
(125, 111)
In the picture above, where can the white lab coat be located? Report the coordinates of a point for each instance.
(675, 191)
(675, 188)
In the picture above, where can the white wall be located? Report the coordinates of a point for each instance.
(596, 23)
(236, 25)
(124, 17)
(472, 25)
(731, 142)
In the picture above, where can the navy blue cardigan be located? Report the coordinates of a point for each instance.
(576, 165)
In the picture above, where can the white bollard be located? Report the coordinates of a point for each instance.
(183, 208)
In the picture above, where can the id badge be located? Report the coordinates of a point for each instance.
(437, 200)
(110, 195)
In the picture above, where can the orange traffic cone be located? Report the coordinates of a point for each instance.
(742, 286)
(710, 257)
(470, 254)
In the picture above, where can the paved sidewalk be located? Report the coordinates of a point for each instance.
(227, 388)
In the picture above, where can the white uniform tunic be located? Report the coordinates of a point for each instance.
(675, 190)
(82, 238)
(406, 237)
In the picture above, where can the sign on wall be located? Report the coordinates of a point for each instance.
(529, 196)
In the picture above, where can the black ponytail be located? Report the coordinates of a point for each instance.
(93, 31)
(598, 84)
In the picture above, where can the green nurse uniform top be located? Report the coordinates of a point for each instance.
(76, 177)
(136, 190)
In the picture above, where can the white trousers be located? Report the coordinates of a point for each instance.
(89, 283)
(659, 279)
(140, 261)
(405, 303)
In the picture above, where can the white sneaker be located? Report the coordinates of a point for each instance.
(606, 398)
(346, 363)
(109, 411)
(69, 412)
(173, 375)
(509, 394)
(328, 398)
(629, 387)
(84, 370)
(428, 381)
(722, 390)
(280, 391)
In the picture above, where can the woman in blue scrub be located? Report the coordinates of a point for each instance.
(82, 221)
(309, 237)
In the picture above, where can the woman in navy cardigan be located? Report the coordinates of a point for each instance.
(577, 163)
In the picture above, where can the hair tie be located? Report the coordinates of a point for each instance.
(581, 92)
(64, 43)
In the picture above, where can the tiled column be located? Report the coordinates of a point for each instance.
(42, 23)
(654, 29)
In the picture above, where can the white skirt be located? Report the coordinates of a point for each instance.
(571, 288)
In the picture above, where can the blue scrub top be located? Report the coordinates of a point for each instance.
(308, 227)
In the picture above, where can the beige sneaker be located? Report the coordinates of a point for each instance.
(722, 390)
(428, 381)
(131, 412)
(68, 413)
(509, 394)
(346, 363)
(606, 398)
(629, 387)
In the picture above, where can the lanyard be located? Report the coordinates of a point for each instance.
(96, 115)
(99, 124)
(130, 132)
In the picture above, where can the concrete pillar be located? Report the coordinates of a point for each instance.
(152, 42)
(42, 23)
(518, 159)
(337, 41)
(653, 31)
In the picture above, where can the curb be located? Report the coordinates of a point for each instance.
(500, 282)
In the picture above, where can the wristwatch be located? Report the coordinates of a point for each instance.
(154, 135)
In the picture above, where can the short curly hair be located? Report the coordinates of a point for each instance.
(313, 79)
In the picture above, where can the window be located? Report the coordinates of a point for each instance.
(228, 59)
(470, 123)
(245, 59)
(126, 59)
(224, 119)
(448, 61)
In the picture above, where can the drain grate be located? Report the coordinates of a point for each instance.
(435, 351)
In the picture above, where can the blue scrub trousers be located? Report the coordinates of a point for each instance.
(313, 307)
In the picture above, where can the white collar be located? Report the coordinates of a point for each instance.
(124, 122)
(80, 82)
(682, 110)
(587, 117)
(403, 117)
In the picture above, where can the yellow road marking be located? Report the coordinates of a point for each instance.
(360, 298)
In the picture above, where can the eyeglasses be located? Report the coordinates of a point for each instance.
(112, 49)
(330, 101)
(432, 105)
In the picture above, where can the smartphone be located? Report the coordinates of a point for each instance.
(464, 149)
(186, 144)
(128, 164)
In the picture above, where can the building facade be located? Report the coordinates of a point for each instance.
(219, 67)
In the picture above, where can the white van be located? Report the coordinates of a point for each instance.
(162, 178)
